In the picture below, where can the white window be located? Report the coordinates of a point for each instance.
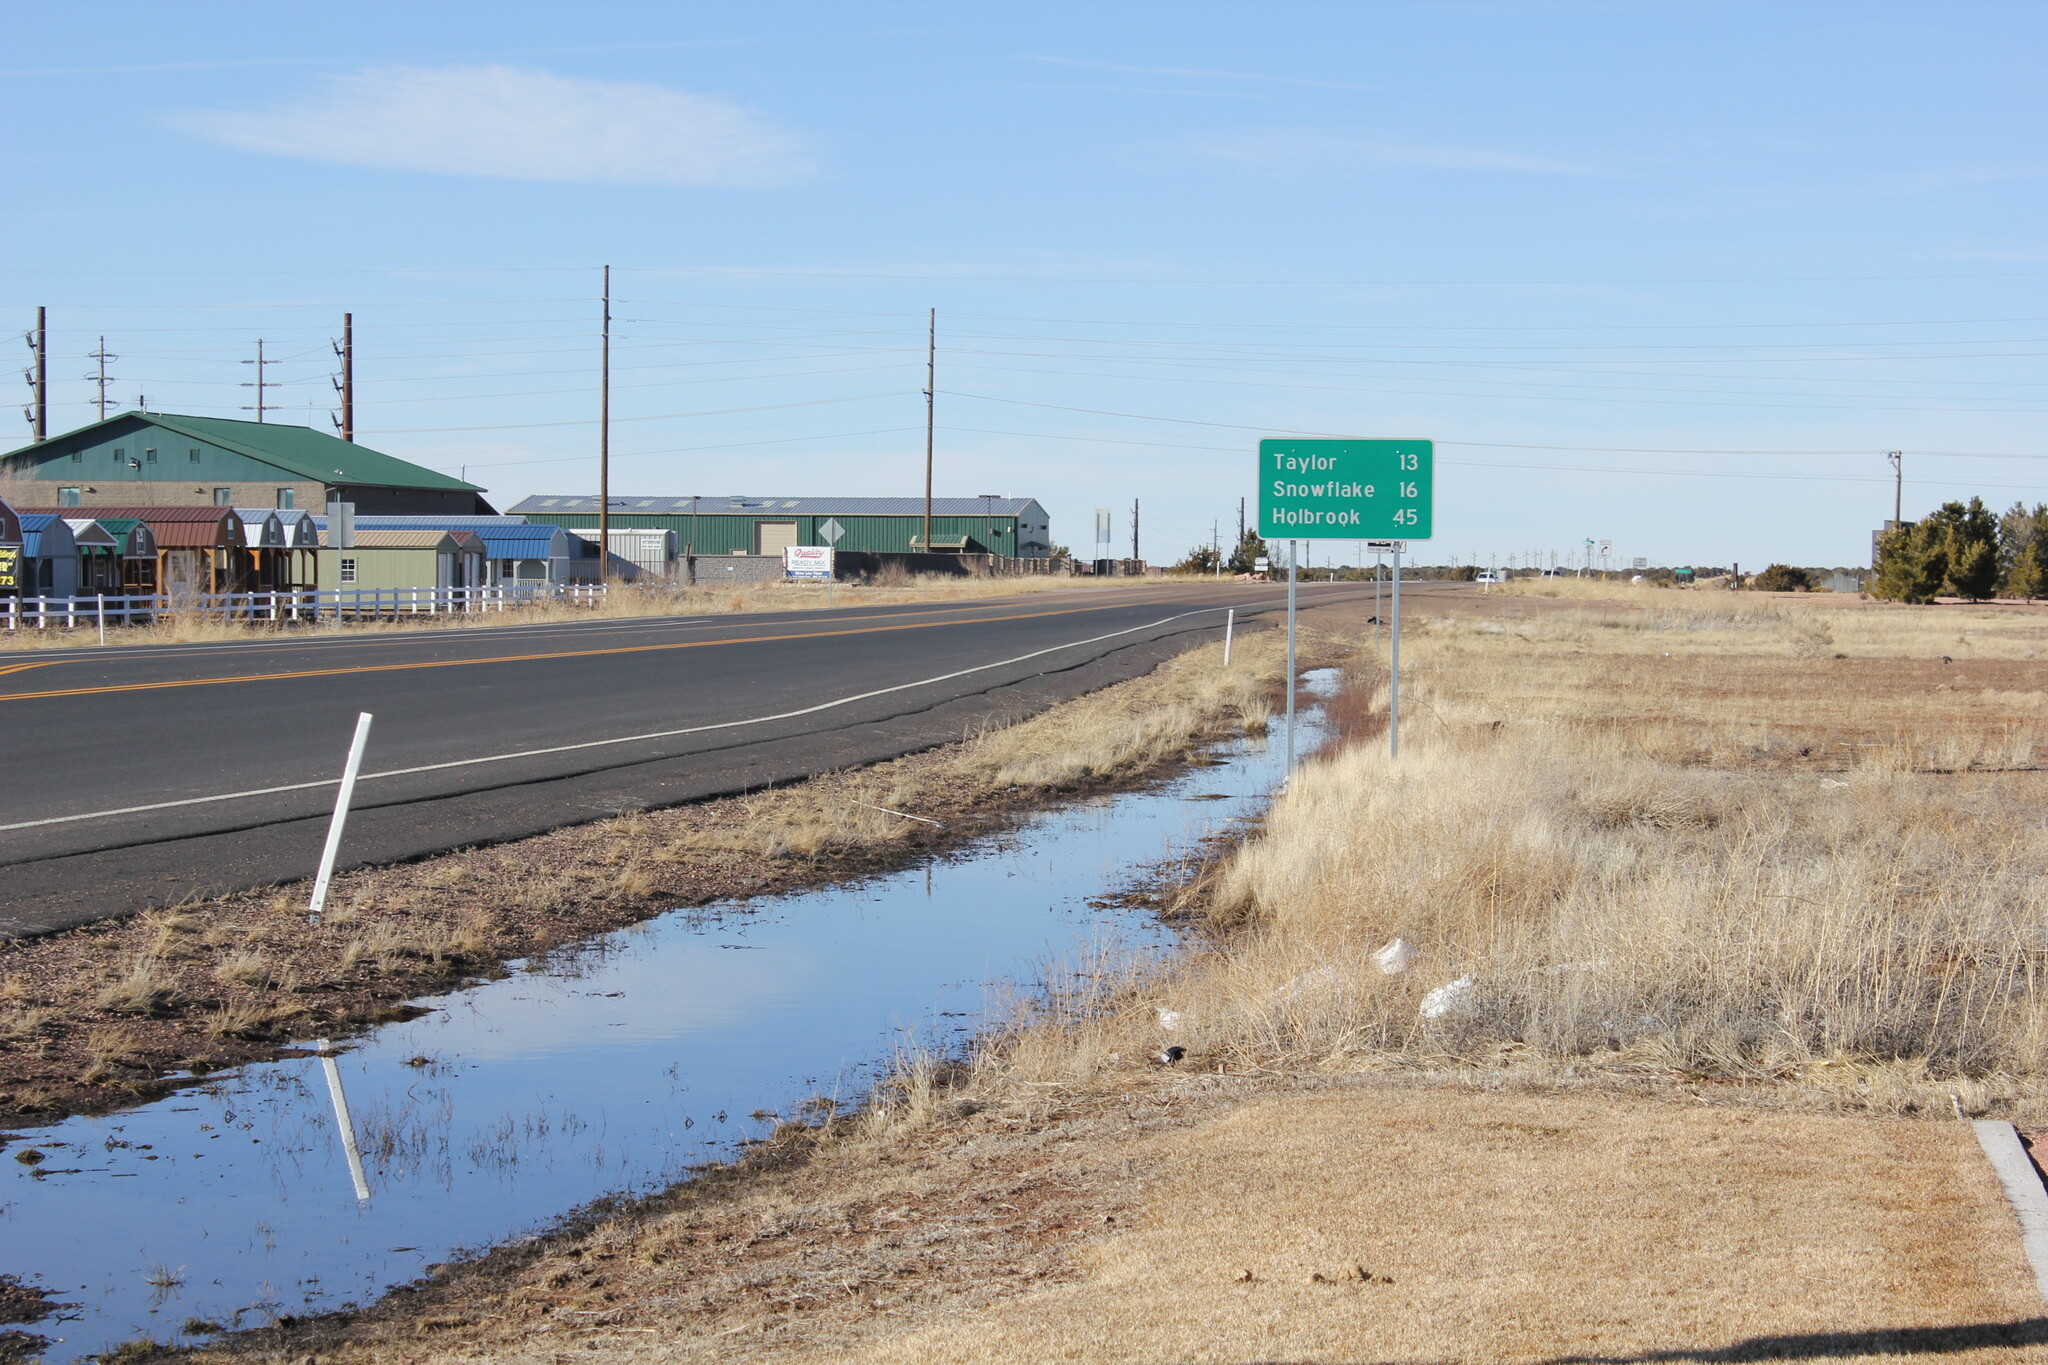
(348, 570)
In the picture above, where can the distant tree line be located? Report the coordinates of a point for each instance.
(1963, 550)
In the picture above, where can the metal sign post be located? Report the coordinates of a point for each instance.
(1393, 547)
(1290, 656)
(1394, 667)
(1348, 490)
(830, 533)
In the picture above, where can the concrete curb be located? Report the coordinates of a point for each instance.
(2023, 1190)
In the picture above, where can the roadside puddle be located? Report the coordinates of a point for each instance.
(611, 1069)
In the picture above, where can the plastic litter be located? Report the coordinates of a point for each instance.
(1397, 957)
(1170, 1019)
(1446, 998)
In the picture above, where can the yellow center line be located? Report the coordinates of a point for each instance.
(22, 668)
(540, 630)
(531, 658)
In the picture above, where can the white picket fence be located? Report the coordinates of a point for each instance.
(72, 613)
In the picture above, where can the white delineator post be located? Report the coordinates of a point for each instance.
(341, 800)
(103, 617)
(1290, 657)
(1394, 667)
(1229, 628)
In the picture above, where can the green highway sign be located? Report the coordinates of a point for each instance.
(1346, 490)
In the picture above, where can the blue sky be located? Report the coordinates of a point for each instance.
(1673, 275)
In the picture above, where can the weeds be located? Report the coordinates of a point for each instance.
(144, 990)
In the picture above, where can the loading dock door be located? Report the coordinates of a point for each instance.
(773, 537)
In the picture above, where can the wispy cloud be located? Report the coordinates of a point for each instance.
(1306, 150)
(1200, 72)
(516, 124)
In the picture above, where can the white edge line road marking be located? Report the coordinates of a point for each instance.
(602, 743)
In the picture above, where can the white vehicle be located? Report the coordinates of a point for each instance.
(1491, 576)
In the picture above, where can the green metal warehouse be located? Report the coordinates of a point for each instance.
(754, 526)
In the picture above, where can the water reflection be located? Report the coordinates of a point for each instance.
(611, 1068)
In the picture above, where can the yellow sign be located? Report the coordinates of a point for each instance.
(10, 568)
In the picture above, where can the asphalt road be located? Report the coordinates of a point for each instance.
(144, 775)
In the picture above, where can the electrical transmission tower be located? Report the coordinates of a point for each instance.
(101, 377)
(259, 384)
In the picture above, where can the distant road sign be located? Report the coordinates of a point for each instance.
(1346, 490)
(1386, 547)
(831, 531)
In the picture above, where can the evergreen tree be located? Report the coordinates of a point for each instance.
(1912, 563)
(2018, 528)
(1969, 539)
(1202, 559)
(1249, 550)
(2028, 576)
(1783, 578)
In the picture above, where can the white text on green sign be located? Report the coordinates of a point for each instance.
(1346, 490)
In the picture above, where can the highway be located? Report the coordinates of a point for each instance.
(144, 775)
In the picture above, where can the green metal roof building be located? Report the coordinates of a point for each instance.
(166, 459)
(754, 526)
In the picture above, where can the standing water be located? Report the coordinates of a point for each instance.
(610, 1069)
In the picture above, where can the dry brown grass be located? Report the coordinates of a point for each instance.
(143, 989)
(1611, 847)
(624, 601)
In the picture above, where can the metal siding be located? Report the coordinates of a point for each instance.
(97, 464)
(726, 532)
(379, 567)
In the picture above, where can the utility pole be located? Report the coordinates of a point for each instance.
(931, 384)
(38, 376)
(1134, 528)
(1240, 521)
(102, 355)
(1898, 459)
(261, 383)
(345, 351)
(604, 440)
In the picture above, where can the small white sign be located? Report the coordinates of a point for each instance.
(808, 563)
(1261, 564)
(1387, 547)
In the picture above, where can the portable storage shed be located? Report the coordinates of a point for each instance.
(198, 549)
(636, 552)
(135, 546)
(403, 560)
(99, 557)
(282, 546)
(49, 556)
(10, 551)
(516, 551)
